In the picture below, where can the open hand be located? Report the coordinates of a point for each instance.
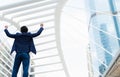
(41, 25)
(6, 26)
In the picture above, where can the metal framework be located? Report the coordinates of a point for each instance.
(32, 13)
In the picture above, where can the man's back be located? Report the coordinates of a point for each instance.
(23, 42)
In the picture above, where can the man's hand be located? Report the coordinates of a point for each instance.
(6, 26)
(41, 25)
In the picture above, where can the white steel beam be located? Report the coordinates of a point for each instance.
(3, 67)
(44, 57)
(3, 73)
(6, 63)
(46, 49)
(47, 35)
(19, 4)
(6, 58)
(10, 21)
(30, 7)
(34, 11)
(7, 52)
(47, 42)
(57, 30)
(47, 28)
(34, 73)
(38, 22)
(35, 17)
(33, 66)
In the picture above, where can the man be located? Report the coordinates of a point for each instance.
(23, 44)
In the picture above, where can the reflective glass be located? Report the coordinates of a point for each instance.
(104, 41)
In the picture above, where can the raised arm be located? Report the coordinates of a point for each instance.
(39, 31)
(9, 34)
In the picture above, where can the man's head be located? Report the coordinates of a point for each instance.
(24, 29)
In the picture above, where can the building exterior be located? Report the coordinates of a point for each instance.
(106, 44)
(104, 34)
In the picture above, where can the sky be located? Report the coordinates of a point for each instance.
(74, 36)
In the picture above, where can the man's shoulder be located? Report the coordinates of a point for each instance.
(23, 33)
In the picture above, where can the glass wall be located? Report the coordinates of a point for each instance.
(104, 33)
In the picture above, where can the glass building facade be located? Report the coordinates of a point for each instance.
(104, 33)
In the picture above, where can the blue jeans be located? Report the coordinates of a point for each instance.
(23, 58)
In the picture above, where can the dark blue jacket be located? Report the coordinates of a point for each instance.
(23, 41)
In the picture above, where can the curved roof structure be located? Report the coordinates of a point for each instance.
(49, 60)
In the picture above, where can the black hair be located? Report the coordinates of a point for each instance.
(24, 29)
